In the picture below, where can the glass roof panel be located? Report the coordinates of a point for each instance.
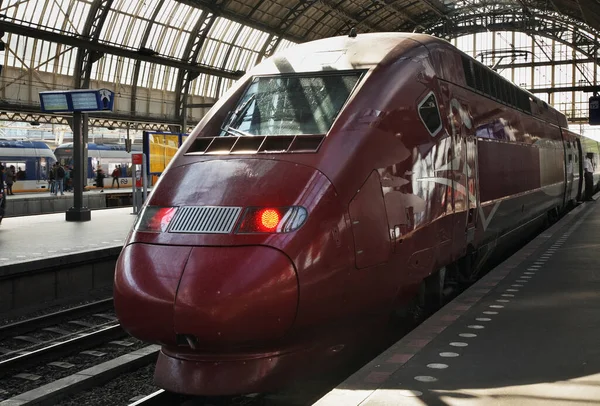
(144, 77)
(64, 15)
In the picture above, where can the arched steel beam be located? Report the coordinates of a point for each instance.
(51, 36)
(91, 30)
(233, 41)
(549, 25)
(336, 8)
(291, 17)
(138, 63)
(190, 55)
(377, 5)
(215, 8)
(324, 15)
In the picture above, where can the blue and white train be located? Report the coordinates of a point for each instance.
(31, 159)
(105, 156)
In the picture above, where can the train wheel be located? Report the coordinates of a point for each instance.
(429, 299)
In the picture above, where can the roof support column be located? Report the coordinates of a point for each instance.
(292, 16)
(83, 71)
(138, 63)
(91, 30)
(190, 55)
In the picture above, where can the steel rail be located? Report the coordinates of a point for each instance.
(61, 349)
(36, 323)
(159, 398)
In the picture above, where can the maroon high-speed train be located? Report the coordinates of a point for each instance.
(336, 182)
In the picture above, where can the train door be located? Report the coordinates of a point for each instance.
(472, 182)
(569, 152)
(464, 169)
(579, 168)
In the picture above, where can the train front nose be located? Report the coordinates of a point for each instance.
(213, 257)
(205, 295)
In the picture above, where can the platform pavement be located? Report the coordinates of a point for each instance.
(31, 238)
(526, 334)
(45, 192)
(24, 204)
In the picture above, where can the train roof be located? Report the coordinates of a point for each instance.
(366, 51)
(9, 143)
(94, 146)
(341, 53)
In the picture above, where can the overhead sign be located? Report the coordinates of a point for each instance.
(77, 100)
(594, 110)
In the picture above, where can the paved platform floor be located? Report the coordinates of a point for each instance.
(528, 333)
(50, 235)
(94, 191)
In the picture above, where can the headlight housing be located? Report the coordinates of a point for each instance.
(272, 219)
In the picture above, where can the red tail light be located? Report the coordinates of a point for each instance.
(272, 220)
(155, 219)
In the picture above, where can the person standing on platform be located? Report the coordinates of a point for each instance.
(115, 175)
(2, 179)
(60, 180)
(52, 178)
(588, 168)
(2, 201)
(100, 179)
(9, 178)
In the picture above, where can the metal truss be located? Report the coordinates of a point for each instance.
(216, 8)
(291, 17)
(558, 27)
(395, 11)
(41, 118)
(190, 56)
(138, 62)
(131, 53)
(232, 46)
(91, 31)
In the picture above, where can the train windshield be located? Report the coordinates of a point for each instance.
(291, 105)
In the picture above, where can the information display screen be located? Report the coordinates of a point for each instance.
(55, 102)
(77, 100)
(85, 101)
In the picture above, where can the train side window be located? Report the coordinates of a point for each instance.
(430, 114)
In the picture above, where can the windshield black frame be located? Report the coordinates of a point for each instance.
(233, 124)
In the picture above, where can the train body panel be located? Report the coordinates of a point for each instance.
(31, 160)
(105, 156)
(383, 160)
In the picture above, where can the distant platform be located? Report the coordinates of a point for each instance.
(23, 204)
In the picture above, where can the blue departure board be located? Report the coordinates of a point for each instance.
(77, 100)
(54, 102)
(85, 101)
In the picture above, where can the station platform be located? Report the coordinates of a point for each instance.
(31, 238)
(525, 334)
(46, 261)
(23, 204)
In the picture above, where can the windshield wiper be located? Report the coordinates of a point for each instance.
(237, 115)
(235, 132)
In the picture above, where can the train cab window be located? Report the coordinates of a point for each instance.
(430, 114)
(291, 104)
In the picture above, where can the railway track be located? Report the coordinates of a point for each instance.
(25, 326)
(60, 349)
(62, 342)
(162, 398)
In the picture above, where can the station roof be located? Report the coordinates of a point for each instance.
(156, 38)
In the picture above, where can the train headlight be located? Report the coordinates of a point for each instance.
(155, 219)
(272, 219)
